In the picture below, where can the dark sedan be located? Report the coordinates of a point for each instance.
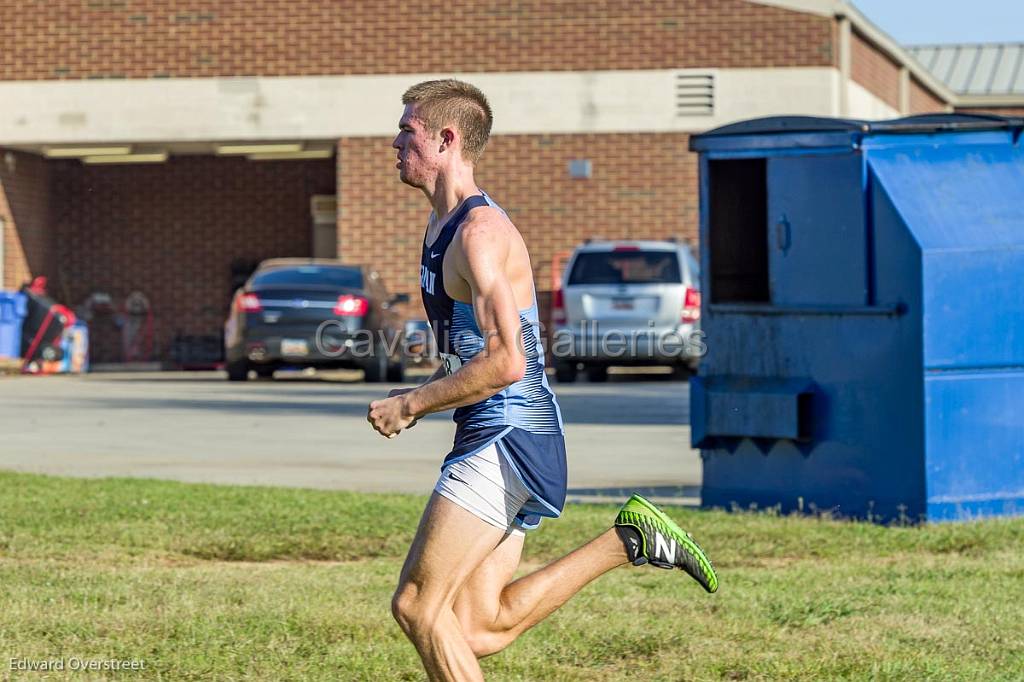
(314, 313)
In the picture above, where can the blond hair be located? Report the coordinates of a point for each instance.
(450, 102)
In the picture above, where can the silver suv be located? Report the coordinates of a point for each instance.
(627, 303)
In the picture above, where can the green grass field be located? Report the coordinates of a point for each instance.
(229, 583)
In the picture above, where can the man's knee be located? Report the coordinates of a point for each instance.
(414, 615)
(404, 606)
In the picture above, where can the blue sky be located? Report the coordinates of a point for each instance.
(917, 22)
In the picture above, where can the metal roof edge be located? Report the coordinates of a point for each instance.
(971, 95)
(1000, 100)
(995, 43)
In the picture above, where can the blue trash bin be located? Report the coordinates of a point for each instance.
(864, 316)
(12, 314)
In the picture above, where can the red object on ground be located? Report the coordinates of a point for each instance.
(66, 319)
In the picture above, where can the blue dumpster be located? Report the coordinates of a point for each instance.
(12, 314)
(864, 315)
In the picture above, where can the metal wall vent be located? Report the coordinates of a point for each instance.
(695, 94)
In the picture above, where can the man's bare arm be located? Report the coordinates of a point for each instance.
(482, 263)
(439, 373)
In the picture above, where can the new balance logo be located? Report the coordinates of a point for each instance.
(664, 550)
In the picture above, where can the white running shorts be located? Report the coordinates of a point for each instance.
(485, 485)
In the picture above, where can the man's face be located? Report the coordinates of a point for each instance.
(419, 155)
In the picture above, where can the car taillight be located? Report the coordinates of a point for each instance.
(249, 303)
(558, 307)
(351, 306)
(626, 247)
(691, 305)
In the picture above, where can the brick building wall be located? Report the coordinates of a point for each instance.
(875, 71)
(172, 232)
(922, 101)
(25, 207)
(74, 39)
(643, 186)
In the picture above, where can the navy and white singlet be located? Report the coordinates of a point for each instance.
(523, 420)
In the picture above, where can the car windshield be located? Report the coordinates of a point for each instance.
(311, 275)
(626, 267)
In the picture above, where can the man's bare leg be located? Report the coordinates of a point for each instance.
(493, 611)
(455, 601)
(450, 544)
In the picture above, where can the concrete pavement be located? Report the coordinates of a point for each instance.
(310, 432)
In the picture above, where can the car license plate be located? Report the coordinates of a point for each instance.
(294, 347)
(622, 304)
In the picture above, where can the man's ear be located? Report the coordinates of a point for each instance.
(447, 137)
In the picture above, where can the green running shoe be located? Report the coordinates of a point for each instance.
(650, 536)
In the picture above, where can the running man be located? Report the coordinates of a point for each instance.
(456, 600)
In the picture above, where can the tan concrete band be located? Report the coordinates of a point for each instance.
(325, 108)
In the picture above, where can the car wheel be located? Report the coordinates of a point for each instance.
(238, 370)
(565, 372)
(598, 374)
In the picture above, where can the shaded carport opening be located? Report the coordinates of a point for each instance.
(182, 233)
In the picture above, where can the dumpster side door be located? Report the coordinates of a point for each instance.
(817, 241)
